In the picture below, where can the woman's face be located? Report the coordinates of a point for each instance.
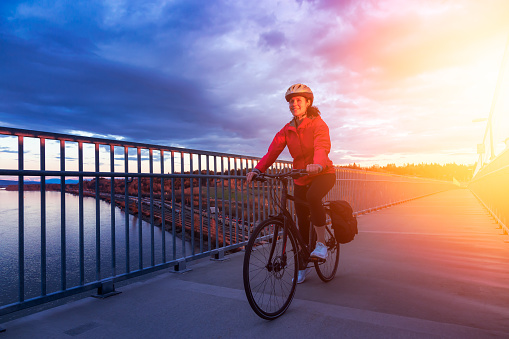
(298, 106)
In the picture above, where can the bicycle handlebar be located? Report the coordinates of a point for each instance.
(294, 174)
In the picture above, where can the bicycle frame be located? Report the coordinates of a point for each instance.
(289, 226)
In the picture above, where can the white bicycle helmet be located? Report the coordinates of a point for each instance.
(299, 90)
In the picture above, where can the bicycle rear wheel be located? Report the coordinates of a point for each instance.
(270, 269)
(327, 270)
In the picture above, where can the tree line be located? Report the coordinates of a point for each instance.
(462, 173)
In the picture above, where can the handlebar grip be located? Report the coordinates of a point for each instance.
(259, 178)
(297, 173)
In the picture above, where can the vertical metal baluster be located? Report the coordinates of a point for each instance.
(334, 189)
(351, 197)
(336, 185)
(250, 198)
(63, 264)
(209, 221)
(43, 215)
(276, 169)
(344, 191)
(270, 204)
(97, 218)
(343, 187)
(216, 214)
(242, 218)
(261, 204)
(230, 215)
(152, 242)
(200, 205)
(173, 221)
(383, 187)
(363, 194)
(235, 182)
(358, 187)
(340, 184)
(332, 192)
(112, 213)
(191, 201)
(182, 205)
(260, 192)
(163, 208)
(127, 250)
(140, 231)
(291, 204)
(254, 186)
(346, 187)
(81, 215)
(360, 192)
(222, 197)
(21, 222)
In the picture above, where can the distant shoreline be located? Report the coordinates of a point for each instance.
(33, 187)
(6, 183)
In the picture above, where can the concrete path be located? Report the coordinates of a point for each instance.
(436, 267)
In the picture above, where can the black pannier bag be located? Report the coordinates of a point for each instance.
(343, 221)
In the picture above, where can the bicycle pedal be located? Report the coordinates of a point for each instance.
(318, 260)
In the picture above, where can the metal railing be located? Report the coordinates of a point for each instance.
(491, 186)
(368, 191)
(199, 198)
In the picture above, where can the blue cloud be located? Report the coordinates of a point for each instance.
(272, 39)
(56, 78)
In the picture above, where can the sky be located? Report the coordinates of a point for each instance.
(396, 81)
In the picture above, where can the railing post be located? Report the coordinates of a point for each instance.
(181, 267)
(219, 256)
(107, 289)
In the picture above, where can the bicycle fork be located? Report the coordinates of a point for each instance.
(277, 262)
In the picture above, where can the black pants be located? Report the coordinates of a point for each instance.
(313, 195)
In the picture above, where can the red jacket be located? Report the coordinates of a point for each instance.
(308, 144)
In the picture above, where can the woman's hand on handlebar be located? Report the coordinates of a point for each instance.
(314, 168)
(251, 175)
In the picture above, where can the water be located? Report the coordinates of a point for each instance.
(9, 281)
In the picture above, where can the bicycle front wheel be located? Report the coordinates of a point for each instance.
(327, 270)
(270, 269)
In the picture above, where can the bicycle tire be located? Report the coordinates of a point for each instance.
(270, 286)
(327, 270)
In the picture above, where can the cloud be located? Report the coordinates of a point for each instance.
(272, 39)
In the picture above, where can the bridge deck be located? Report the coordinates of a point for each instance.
(432, 267)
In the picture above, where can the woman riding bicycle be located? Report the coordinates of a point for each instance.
(308, 140)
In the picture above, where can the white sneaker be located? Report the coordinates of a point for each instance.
(320, 251)
(302, 275)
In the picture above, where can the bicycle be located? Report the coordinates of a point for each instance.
(274, 252)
